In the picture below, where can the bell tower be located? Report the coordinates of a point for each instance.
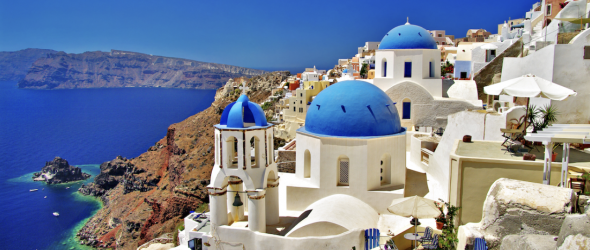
(244, 168)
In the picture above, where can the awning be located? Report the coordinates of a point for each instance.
(520, 25)
(574, 20)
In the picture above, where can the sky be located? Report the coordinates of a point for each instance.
(269, 35)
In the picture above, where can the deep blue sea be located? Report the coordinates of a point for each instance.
(85, 127)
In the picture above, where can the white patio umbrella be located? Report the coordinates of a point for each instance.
(530, 86)
(415, 206)
(489, 46)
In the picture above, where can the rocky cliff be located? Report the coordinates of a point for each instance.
(15, 64)
(117, 69)
(59, 171)
(149, 195)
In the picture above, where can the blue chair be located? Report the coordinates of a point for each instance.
(480, 244)
(433, 244)
(427, 235)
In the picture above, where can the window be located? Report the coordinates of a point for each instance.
(548, 10)
(586, 52)
(463, 75)
(439, 35)
(385, 69)
(385, 169)
(254, 145)
(300, 102)
(301, 94)
(307, 164)
(294, 109)
(406, 109)
(408, 69)
(232, 152)
(430, 69)
(343, 171)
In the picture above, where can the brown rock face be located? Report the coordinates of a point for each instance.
(118, 69)
(155, 191)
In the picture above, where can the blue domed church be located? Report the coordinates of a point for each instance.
(407, 68)
(352, 144)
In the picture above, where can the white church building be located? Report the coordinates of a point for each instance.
(407, 68)
(351, 164)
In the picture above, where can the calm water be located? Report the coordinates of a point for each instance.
(85, 127)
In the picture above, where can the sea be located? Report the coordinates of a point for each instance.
(86, 127)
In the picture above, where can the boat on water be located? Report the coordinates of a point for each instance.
(45, 197)
(33, 190)
(55, 214)
(67, 187)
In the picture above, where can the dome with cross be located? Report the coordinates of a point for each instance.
(408, 36)
(242, 114)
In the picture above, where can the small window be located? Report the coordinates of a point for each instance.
(548, 10)
(343, 170)
(408, 69)
(384, 69)
(586, 52)
(439, 35)
(300, 102)
(307, 164)
(294, 109)
(463, 75)
(431, 69)
(301, 94)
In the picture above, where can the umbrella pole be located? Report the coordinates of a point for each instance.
(526, 116)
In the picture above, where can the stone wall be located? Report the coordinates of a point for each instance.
(286, 161)
(565, 38)
(486, 74)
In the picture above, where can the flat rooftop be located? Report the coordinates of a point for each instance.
(495, 150)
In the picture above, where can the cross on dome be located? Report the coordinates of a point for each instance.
(244, 88)
(408, 21)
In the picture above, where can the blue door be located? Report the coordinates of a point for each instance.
(406, 111)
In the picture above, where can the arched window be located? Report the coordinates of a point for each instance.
(385, 170)
(307, 164)
(232, 152)
(384, 68)
(406, 109)
(254, 152)
(343, 170)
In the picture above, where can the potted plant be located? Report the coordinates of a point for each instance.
(554, 154)
(440, 220)
(449, 237)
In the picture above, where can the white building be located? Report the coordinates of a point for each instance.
(407, 68)
(351, 164)
(565, 64)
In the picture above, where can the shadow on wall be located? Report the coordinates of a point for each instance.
(415, 184)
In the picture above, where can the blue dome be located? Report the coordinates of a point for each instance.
(238, 114)
(352, 109)
(408, 37)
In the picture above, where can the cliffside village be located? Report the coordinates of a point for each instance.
(418, 141)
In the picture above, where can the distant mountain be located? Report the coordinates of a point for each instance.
(127, 69)
(15, 64)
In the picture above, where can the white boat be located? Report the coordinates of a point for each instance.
(67, 187)
(33, 190)
(55, 214)
(45, 197)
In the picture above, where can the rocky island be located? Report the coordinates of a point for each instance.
(59, 171)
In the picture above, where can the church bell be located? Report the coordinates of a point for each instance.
(237, 201)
